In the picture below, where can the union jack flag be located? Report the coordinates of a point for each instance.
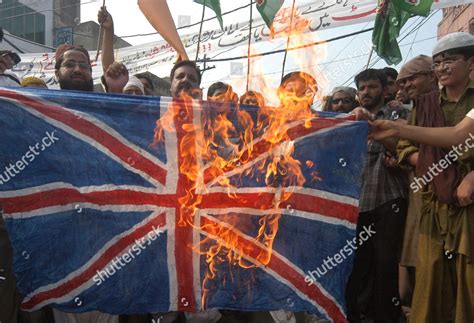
(81, 187)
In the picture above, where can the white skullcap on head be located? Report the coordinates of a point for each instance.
(346, 89)
(453, 41)
(134, 82)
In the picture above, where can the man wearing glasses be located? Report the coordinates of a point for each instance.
(73, 68)
(342, 99)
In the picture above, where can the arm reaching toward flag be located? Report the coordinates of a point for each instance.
(158, 14)
(440, 137)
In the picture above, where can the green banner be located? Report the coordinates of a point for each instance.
(215, 5)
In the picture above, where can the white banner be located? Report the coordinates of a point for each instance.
(324, 15)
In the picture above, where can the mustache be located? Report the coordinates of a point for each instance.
(77, 74)
(185, 86)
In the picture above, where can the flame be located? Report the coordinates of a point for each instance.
(226, 141)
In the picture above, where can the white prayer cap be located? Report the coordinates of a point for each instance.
(347, 89)
(453, 41)
(134, 82)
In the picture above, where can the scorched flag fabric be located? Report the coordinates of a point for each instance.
(91, 206)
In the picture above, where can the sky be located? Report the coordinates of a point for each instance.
(333, 66)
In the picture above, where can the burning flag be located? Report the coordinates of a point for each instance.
(215, 5)
(214, 215)
(391, 17)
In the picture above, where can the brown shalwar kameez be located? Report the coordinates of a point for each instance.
(444, 288)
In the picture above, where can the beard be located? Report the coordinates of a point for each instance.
(372, 102)
(83, 85)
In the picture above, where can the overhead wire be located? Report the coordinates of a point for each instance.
(347, 45)
(411, 47)
(417, 27)
(289, 49)
(191, 25)
(327, 63)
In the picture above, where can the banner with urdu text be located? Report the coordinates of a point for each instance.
(140, 58)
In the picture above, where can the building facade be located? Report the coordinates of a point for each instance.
(45, 22)
(28, 19)
(35, 26)
(457, 18)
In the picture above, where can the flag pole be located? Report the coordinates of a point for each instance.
(200, 29)
(248, 50)
(100, 36)
(370, 57)
(288, 39)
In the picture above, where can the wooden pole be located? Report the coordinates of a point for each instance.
(370, 57)
(288, 39)
(248, 50)
(200, 31)
(100, 36)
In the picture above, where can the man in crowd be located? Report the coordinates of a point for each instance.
(342, 99)
(383, 208)
(444, 288)
(221, 92)
(185, 79)
(416, 78)
(392, 87)
(297, 89)
(134, 87)
(222, 101)
(73, 68)
(147, 83)
(254, 103)
(8, 59)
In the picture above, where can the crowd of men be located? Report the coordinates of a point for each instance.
(419, 264)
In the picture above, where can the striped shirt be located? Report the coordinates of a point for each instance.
(381, 184)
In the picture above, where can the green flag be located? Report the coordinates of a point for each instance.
(215, 6)
(391, 17)
(415, 7)
(268, 9)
